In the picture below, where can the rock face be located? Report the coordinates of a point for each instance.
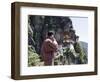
(38, 27)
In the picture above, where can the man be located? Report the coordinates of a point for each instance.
(48, 49)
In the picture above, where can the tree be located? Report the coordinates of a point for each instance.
(82, 57)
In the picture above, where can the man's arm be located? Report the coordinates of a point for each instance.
(53, 45)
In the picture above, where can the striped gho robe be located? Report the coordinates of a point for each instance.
(48, 49)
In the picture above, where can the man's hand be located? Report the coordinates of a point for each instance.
(55, 42)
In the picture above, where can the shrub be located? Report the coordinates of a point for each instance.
(82, 55)
(33, 58)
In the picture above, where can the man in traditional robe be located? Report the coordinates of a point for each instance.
(49, 47)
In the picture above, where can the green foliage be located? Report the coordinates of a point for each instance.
(69, 56)
(77, 47)
(31, 48)
(33, 57)
(68, 52)
(82, 55)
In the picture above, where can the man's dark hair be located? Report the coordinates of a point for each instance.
(50, 33)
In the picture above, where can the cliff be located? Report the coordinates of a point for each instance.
(38, 27)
